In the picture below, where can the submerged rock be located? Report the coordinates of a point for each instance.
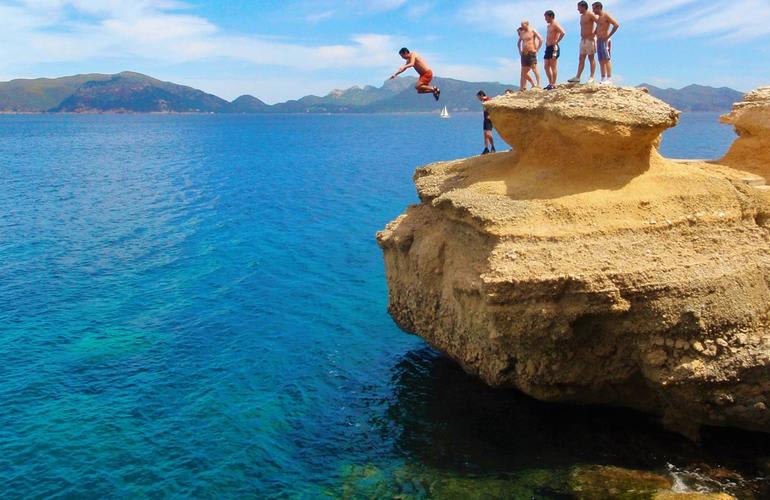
(585, 267)
(600, 482)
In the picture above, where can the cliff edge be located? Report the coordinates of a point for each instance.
(583, 266)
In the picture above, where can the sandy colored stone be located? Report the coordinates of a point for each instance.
(751, 119)
(603, 482)
(582, 265)
(671, 495)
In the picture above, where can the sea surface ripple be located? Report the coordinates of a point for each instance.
(195, 306)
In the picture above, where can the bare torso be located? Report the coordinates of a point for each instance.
(587, 22)
(419, 64)
(527, 38)
(603, 25)
(554, 31)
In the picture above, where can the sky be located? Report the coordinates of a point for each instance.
(283, 49)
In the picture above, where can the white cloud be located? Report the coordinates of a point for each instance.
(418, 10)
(744, 20)
(318, 17)
(503, 18)
(741, 20)
(156, 31)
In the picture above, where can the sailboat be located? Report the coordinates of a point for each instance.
(444, 113)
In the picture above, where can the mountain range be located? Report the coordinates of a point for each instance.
(694, 98)
(130, 92)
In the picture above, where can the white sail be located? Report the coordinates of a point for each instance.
(444, 113)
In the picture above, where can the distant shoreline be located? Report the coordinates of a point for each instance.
(176, 113)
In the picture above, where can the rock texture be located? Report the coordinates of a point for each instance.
(751, 119)
(583, 266)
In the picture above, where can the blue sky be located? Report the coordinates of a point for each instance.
(277, 50)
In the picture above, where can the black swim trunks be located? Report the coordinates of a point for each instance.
(552, 52)
(487, 120)
(529, 59)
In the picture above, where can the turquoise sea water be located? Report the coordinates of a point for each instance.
(196, 306)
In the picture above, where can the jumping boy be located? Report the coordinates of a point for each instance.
(414, 60)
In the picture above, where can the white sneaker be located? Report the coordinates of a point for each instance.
(590, 81)
(607, 81)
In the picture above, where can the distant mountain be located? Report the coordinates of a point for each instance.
(248, 104)
(697, 97)
(456, 95)
(41, 94)
(352, 100)
(137, 93)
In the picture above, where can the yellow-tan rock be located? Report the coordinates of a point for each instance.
(583, 266)
(751, 119)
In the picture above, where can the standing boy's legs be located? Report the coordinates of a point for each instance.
(555, 65)
(592, 60)
(537, 73)
(581, 67)
(524, 78)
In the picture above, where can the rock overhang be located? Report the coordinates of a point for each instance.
(561, 277)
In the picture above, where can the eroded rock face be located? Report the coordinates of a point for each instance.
(751, 119)
(583, 266)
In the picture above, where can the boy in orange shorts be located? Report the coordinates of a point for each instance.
(414, 60)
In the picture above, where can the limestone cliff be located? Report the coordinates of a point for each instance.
(585, 267)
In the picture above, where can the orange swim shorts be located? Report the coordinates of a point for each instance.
(426, 78)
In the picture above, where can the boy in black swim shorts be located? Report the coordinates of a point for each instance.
(553, 37)
(489, 141)
(530, 42)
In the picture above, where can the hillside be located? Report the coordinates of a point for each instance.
(697, 97)
(41, 94)
(130, 92)
(248, 104)
(134, 92)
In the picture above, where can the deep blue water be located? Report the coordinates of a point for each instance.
(196, 306)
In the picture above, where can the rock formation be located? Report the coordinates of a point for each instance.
(751, 119)
(583, 266)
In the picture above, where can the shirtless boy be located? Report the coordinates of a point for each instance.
(414, 60)
(603, 43)
(552, 50)
(530, 42)
(489, 141)
(587, 42)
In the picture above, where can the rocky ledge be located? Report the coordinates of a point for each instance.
(583, 266)
(751, 119)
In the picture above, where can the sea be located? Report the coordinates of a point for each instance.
(195, 306)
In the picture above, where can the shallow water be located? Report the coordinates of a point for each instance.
(196, 306)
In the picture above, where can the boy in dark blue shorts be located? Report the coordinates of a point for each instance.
(553, 37)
